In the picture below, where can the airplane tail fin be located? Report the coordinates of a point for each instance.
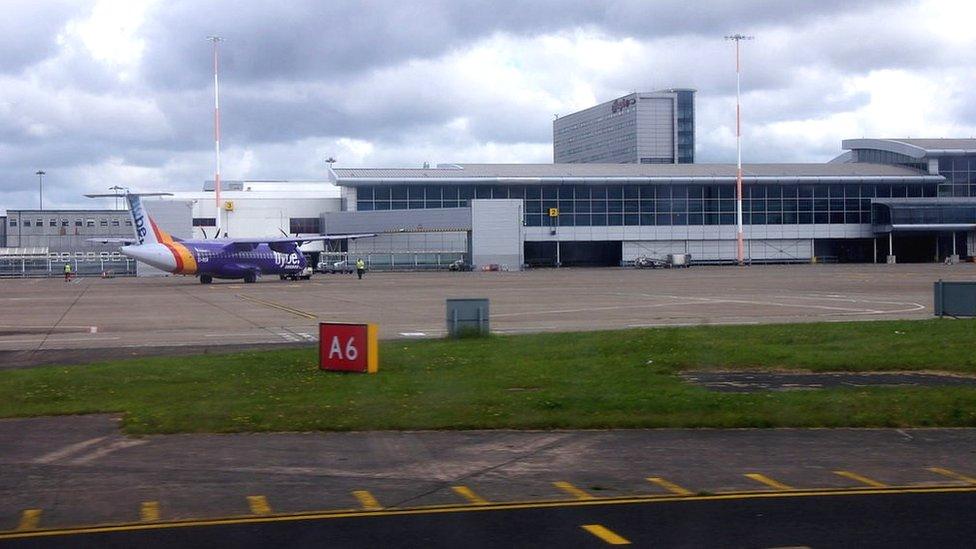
(147, 232)
(146, 229)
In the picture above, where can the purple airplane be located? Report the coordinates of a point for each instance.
(233, 258)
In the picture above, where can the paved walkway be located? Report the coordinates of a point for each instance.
(79, 470)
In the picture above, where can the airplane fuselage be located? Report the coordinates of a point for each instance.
(219, 259)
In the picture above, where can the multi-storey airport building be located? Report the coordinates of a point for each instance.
(640, 128)
(883, 200)
(903, 200)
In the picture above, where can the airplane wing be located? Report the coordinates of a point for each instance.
(281, 243)
(111, 240)
(297, 239)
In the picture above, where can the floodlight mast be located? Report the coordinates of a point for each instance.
(739, 237)
(215, 39)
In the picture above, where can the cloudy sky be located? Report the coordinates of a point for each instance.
(119, 92)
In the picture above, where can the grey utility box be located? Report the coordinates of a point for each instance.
(467, 317)
(955, 298)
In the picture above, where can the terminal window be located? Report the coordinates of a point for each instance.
(304, 225)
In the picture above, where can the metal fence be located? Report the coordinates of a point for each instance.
(398, 261)
(30, 267)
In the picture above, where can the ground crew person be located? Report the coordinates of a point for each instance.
(360, 267)
(67, 272)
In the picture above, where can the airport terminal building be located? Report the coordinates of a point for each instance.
(907, 200)
(904, 200)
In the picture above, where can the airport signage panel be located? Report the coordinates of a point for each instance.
(348, 347)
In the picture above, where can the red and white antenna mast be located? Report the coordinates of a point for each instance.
(739, 237)
(215, 39)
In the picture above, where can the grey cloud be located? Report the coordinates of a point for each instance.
(332, 40)
(29, 30)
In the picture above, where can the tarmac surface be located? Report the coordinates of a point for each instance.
(48, 320)
(80, 471)
(651, 487)
(912, 519)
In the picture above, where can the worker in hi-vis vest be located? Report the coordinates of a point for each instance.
(67, 272)
(360, 267)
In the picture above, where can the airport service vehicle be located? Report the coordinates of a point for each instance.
(230, 258)
(342, 267)
(644, 262)
(304, 274)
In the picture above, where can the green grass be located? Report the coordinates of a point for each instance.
(613, 379)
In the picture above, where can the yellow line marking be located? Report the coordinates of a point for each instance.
(285, 308)
(573, 490)
(442, 509)
(259, 505)
(768, 481)
(606, 534)
(149, 511)
(29, 519)
(860, 478)
(670, 486)
(952, 474)
(367, 501)
(469, 495)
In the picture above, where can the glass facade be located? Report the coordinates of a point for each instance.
(657, 205)
(874, 156)
(924, 214)
(686, 127)
(960, 174)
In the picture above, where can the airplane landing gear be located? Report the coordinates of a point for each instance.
(250, 278)
(206, 279)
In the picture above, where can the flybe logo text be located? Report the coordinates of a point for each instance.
(140, 222)
(287, 261)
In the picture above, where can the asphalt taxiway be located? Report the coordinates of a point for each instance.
(80, 476)
(38, 315)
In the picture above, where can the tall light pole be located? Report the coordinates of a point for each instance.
(215, 40)
(739, 238)
(40, 188)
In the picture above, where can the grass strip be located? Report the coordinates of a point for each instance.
(611, 379)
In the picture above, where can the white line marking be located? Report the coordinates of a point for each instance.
(68, 450)
(105, 450)
(413, 334)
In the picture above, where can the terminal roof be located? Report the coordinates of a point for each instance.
(915, 148)
(530, 172)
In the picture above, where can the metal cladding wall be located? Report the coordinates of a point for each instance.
(390, 221)
(172, 216)
(66, 230)
(496, 233)
(413, 242)
(655, 128)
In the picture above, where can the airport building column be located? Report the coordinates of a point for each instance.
(891, 248)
